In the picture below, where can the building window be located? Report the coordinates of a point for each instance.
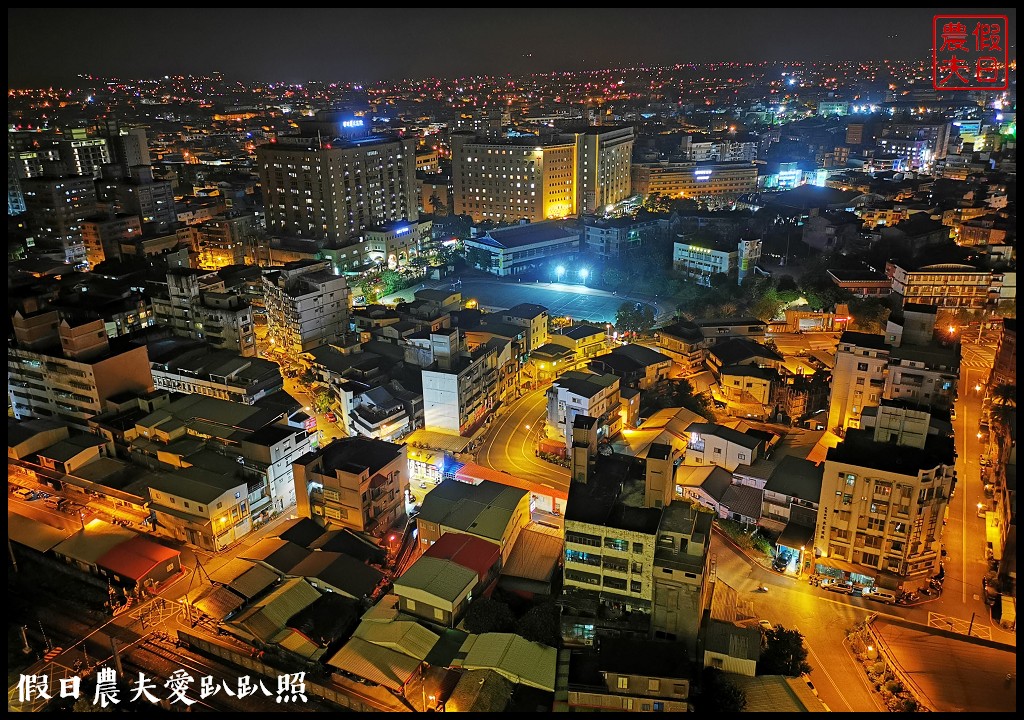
(622, 683)
(653, 685)
(636, 586)
(638, 548)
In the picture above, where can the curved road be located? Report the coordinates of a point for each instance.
(509, 444)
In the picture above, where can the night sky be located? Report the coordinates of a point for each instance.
(52, 45)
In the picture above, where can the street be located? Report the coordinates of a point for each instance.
(510, 444)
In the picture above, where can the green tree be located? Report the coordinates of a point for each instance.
(784, 653)
(322, 401)
(613, 277)
(869, 315)
(715, 694)
(627, 317)
(391, 280)
(540, 624)
(487, 615)
(438, 205)
(479, 258)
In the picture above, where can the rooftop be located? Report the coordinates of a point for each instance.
(860, 449)
(612, 496)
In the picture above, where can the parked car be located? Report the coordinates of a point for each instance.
(840, 588)
(24, 494)
(52, 502)
(423, 485)
(765, 625)
(331, 417)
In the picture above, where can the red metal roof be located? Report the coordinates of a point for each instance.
(135, 557)
(470, 552)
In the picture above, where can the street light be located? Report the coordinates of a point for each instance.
(583, 275)
(559, 272)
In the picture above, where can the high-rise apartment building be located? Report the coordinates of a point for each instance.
(603, 158)
(883, 498)
(307, 305)
(139, 193)
(912, 362)
(56, 207)
(197, 304)
(460, 386)
(630, 546)
(56, 369)
(104, 233)
(329, 188)
(227, 239)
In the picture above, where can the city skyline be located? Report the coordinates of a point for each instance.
(489, 42)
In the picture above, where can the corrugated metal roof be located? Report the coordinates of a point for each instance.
(535, 554)
(344, 574)
(279, 554)
(34, 534)
(514, 657)
(294, 641)
(407, 637)
(217, 602)
(470, 552)
(377, 664)
(443, 579)
(254, 581)
(89, 545)
(384, 610)
(136, 557)
(269, 616)
(230, 571)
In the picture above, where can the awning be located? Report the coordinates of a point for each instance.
(796, 536)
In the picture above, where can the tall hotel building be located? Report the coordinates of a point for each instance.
(334, 179)
(536, 179)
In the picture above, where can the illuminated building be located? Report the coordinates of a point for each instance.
(629, 547)
(140, 194)
(56, 207)
(948, 285)
(513, 180)
(103, 235)
(69, 372)
(884, 494)
(908, 363)
(603, 162)
(332, 185)
(197, 304)
(513, 250)
(356, 482)
(394, 244)
(459, 386)
(307, 306)
(576, 393)
(701, 262)
(611, 237)
(533, 178)
(227, 239)
(723, 181)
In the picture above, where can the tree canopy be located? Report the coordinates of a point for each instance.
(784, 653)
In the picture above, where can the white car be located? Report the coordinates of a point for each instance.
(765, 625)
